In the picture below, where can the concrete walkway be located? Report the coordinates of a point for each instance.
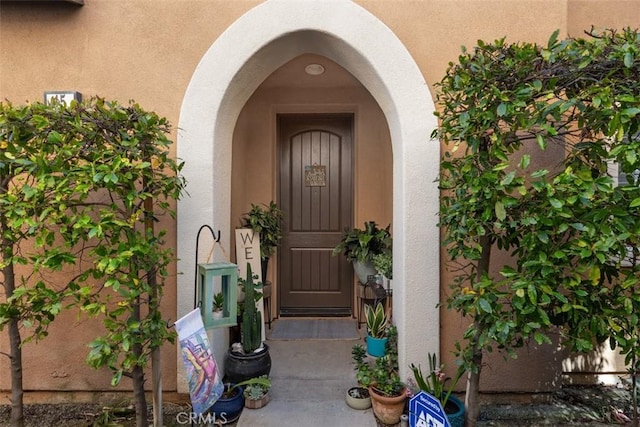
(309, 381)
(310, 378)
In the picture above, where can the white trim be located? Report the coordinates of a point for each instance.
(239, 60)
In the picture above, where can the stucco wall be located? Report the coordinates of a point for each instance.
(147, 50)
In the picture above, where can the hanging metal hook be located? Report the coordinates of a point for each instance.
(195, 279)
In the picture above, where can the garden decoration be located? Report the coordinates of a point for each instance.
(205, 383)
(266, 220)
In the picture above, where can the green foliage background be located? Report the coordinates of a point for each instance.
(80, 190)
(568, 225)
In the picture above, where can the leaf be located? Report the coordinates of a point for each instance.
(508, 179)
(116, 378)
(635, 203)
(54, 137)
(541, 142)
(628, 59)
(532, 292)
(502, 109)
(556, 203)
(553, 39)
(501, 213)
(594, 275)
(485, 306)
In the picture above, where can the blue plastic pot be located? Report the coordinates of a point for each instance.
(455, 411)
(376, 347)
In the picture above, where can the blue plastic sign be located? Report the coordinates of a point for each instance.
(426, 411)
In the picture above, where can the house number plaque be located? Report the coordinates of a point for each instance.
(315, 176)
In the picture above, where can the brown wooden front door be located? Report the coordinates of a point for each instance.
(315, 191)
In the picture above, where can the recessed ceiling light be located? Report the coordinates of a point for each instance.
(314, 69)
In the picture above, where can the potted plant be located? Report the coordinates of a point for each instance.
(388, 393)
(267, 221)
(218, 305)
(256, 393)
(377, 321)
(359, 246)
(383, 263)
(233, 398)
(358, 397)
(250, 358)
(228, 407)
(435, 384)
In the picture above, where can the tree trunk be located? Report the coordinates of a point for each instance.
(472, 396)
(634, 391)
(137, 377)
(17, 392)
(154, 307)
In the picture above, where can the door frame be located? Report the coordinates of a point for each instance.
(317, 110)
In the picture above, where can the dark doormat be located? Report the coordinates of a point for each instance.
(314, 329)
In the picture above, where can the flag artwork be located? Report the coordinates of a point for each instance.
(205, 383)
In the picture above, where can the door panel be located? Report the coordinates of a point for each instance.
(316, 188)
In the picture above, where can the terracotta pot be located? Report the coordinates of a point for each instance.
(387, 409)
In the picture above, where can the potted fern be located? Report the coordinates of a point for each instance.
(359, 246)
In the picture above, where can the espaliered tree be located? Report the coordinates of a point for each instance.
(34, 195)
(571, 228)
(136, 180)
(106, 176)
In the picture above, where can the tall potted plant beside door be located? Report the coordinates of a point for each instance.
(250, 358)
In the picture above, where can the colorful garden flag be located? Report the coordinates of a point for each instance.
(205, 382)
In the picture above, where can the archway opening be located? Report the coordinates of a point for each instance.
(228, 74)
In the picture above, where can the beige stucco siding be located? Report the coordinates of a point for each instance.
(148, 51)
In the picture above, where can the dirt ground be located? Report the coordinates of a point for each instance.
(85, 415)
(591, 406)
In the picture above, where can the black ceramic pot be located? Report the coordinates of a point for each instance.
(240, 366)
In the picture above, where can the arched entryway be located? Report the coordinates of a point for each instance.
(235, 65)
